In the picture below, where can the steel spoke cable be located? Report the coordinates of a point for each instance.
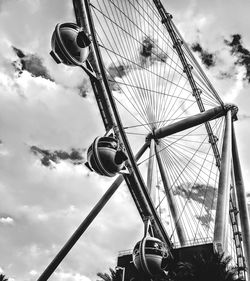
(170, 107)
(180, 174)
(140, 77)
(211, 207)
(140, 42)
(123, 29)
(182, 112)
(186, 147)
(137, 65)
(146, 79)
(163, 36)
(154, 91)
(169, 145)
(190, 163)
(204, 181)
(167, 101)
(145, 113)
(132, 114)
(205, 198)
(138, 107)
(133, 102)
(177, 220)
(184, 183)
(190, 151)
(110, 44)
(168, 163)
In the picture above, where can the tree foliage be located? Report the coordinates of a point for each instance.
(215, 267)
(112, 276)
(3, 278)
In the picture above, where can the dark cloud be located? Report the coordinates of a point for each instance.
(242, 54)
(208, 59)
(226, 75)
(115, 71)
(47, 156)
(84, 88)
(31, 63)
(150, 52)
(147, 47)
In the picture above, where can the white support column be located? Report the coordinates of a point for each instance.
(222, 209)
(151, 178)
(242, 203)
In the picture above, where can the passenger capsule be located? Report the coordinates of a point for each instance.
(150, 255)
(69, 44)
(105, 157)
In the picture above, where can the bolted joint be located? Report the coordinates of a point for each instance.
(179, 42)
(213, 139)
(197, 92)
(168, 15)
(187, 68)
(234, 110)
(165, 20)
(151, 136)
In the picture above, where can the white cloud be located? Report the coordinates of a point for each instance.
(65, 276)
(33, 272)
(6, 220)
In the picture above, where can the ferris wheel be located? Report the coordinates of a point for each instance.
(168, 134)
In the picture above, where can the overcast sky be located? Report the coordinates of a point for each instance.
(42, 203)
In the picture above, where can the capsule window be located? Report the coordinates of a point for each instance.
(151, 251)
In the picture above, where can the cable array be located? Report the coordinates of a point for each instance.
(152, 90)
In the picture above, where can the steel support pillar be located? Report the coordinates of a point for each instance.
(189, 122)
(150, 177)
(85, 224)
(171, 200)
(222, 209)
(242, 203)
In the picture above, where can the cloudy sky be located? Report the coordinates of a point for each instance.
(48, 118)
